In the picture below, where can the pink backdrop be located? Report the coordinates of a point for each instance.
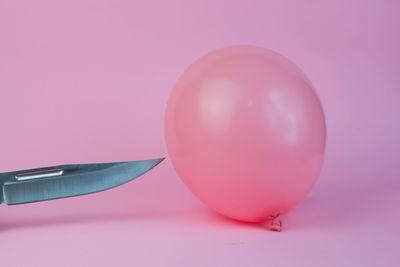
(87, 81)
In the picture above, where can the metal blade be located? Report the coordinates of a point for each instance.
(75, 180)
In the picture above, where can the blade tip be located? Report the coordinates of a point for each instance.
(158, 160)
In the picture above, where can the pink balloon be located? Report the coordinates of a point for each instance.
(246, 132)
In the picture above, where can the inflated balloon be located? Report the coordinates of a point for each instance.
(246, 132)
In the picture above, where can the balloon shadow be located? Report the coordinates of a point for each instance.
(348, 205)
(327, 207)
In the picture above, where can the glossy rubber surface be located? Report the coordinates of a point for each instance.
(246, 132)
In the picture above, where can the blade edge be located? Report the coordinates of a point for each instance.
(22, 192)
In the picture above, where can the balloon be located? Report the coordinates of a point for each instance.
(246, 132)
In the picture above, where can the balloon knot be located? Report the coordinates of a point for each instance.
(275, 223)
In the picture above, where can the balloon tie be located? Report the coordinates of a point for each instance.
(275, 223)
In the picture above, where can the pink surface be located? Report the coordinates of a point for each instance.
(87, 81)
(246, 132)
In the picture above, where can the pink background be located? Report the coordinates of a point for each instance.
(87, 81)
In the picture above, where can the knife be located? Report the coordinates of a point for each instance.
(33, 185)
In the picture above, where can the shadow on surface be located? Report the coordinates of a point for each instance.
(82, 219)
(349, 205)
(331, 206)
